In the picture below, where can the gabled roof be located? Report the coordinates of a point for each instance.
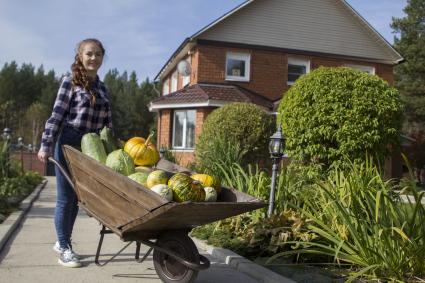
(209, 95)
(330, 27)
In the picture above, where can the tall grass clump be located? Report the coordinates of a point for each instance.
(253, 234)
(220, 155)
(362, 222)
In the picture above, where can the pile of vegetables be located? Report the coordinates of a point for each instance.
(136, 159)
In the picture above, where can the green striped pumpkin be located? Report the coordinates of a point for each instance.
(185, 188)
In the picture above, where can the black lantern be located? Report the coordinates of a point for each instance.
(277, 144)
(276, 149)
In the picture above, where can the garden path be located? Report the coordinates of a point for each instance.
(28, 255)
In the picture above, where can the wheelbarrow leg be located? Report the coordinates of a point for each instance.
(138, 244)
(99, 246)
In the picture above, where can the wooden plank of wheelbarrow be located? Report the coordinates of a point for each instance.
(114, 209)
(116, 182)
(187, 215)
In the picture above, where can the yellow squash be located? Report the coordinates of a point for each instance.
(143, 152)
(208, 181)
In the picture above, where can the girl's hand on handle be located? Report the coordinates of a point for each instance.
(42, 156)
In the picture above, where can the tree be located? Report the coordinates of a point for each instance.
(332, 114)
(410, 75)
(130, 114)
(35, 118)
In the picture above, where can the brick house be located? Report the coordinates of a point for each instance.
(254, 53)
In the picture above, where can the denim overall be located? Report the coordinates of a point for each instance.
(66, 202)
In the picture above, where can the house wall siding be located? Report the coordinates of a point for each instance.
(328, 26)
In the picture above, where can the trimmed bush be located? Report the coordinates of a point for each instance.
(237, 132)
(336, 114)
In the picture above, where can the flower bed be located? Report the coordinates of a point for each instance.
(352, 221)
(14, 190)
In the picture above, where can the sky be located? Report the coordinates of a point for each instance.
(138, 35)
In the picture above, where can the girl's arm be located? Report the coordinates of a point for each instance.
(60, 108)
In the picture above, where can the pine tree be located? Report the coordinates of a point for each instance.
(410, 75)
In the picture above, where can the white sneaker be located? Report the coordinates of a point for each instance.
(57, 248)
(67, 259)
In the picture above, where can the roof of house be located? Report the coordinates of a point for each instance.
(209, 94)
(328, 27)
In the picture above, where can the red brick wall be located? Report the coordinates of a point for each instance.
(164, 128)
(30, 162)
(268, 69)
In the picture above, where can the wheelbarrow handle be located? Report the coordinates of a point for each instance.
(63, 171)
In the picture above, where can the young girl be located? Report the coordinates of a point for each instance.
(81, 106)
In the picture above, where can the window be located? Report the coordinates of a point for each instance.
(237, 66)
(174, 77)
(368, 69)
(297, 68)
(186, 79)
(166, 87)
(184, 129)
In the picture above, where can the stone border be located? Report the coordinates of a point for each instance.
(244, 265)
(11, 223)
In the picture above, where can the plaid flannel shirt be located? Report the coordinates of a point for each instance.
(72, 107)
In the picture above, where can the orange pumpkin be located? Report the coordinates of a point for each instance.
(143, 152)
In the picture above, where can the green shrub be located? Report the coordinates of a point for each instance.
(13, 190)
(235, 131)
(333, 113)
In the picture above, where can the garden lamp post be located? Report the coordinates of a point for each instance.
(161, 152)
(30, 150)
(21, 146)
(276, 149)
(7, 133)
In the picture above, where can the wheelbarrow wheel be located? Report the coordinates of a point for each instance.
(170, 269)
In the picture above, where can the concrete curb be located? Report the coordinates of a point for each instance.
(12, 222)
(258, 272)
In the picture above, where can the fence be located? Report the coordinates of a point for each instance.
(30, 162)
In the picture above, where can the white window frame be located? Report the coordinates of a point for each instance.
(184, 130)
(166, 87)
(174, 81)
(246, 57)
(368, 69)
(298, 62)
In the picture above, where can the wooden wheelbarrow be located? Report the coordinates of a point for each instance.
(135, 213)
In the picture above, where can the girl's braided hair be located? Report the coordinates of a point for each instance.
(79, 73)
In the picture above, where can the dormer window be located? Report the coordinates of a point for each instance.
(237, 66)
(174, 77)
(166, 87)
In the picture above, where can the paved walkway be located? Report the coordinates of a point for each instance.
(28, 255)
